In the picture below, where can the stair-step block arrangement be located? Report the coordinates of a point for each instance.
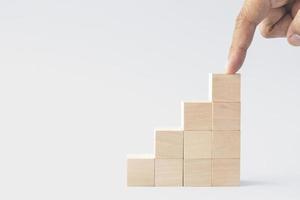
(205, 151)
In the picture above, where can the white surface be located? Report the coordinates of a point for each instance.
(83, 83)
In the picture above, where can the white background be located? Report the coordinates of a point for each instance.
(83, 83)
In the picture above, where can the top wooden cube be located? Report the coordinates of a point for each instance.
(225, 87)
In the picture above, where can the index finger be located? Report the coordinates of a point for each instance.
(251, 14)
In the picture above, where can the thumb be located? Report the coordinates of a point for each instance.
(293, 34)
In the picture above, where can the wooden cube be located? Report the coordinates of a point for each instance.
(226, 172)
(169, 144)
(197, 172)
(225, 87)
(197, 116)
(197, 144)
(168, 172)
(226, 116)
(226, 144)
(140, 170)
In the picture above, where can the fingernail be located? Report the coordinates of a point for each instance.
(295, 39)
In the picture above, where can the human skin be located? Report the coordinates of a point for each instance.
(276, 18)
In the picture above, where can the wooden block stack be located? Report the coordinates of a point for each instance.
(205, 152)
(197, 125)
(225, 96)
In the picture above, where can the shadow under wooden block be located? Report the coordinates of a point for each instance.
(226, 144)
(168, 172)
(226, 172)
(225, 87)
(226, 116)
(169, 144)
(197, 144)
(197, 172)
(197, 116)
(140, 170)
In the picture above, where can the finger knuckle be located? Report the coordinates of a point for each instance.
(265, 31)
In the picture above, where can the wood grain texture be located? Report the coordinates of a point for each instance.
(226, 172)
(225, 87)
(168, 172)
(169, 144)
(226, 116)
(197, 144)
(140, 170)
(226, 144)
(197, 172)
(197, 116)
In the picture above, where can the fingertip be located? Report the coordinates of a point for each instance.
(229, 69)
(232, 65)
(235, 60)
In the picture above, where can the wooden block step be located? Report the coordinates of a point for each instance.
(225, 87)
(226, 172)
(197, 116)
(169, 144)
(197, 144)
(168, 172)
(197, 172)
(226, 116)
(140, 170)
(226, 144)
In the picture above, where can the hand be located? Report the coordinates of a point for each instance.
(277, 18)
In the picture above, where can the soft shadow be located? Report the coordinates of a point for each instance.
(255, 183)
